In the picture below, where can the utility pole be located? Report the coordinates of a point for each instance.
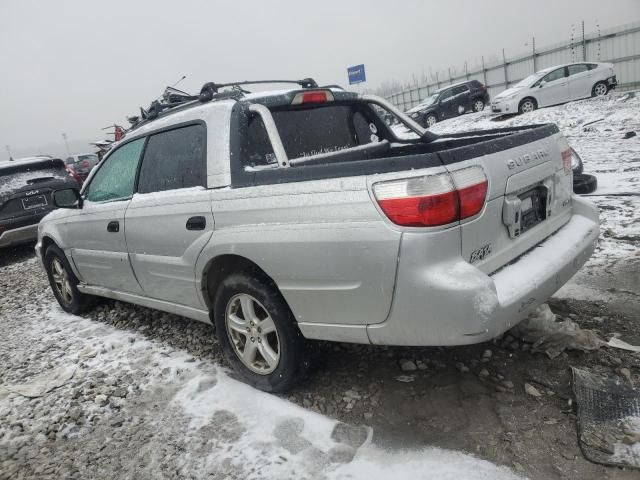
(535, 60)
(66, 143)
(466, 70)
(9, 151)
(450, 79)
(484, 71)
(504, 62)
(584, 45)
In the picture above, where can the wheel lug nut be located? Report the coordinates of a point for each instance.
(253, 339)
(259, 340)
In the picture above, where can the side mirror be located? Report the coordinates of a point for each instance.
(542, 84)
(67, 198)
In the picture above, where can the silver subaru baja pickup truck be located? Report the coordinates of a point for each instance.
(298, 214)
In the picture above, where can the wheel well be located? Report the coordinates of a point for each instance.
(221, 267)
(46, 243)
(599, 81)
(528, 98)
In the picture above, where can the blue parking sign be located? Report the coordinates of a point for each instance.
(356, 74)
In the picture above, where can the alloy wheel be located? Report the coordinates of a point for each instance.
(431, 121)
(528, 106)
(61, 281)
(478, 106)
(253, 334)
(600, 90)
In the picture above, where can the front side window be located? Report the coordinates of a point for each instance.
(555, 75)
(446, 95)
(174, 159)
(116, 178)
(575, 69)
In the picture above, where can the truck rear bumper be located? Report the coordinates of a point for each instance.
(454, 303)
(19, 235)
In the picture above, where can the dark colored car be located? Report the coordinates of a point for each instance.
(451, 101)
(26, 187)
(81, 165)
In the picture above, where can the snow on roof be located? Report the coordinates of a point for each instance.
(27, 161)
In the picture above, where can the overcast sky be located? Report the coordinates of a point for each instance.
(77, 66)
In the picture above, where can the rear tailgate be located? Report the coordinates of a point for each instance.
(529, 195)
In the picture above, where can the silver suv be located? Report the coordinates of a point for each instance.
(299, 214)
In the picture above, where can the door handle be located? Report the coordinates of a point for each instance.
(196, 223)
(113, 226)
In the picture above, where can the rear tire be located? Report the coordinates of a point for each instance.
(600, 89)
(527, 105)
(478, 106)
(258, 333)
(64, 282)
(584, 184)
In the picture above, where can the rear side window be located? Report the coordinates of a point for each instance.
(174, 159)
(592, 66)
(460, 89)
(575, 69)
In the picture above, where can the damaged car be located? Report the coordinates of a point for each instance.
(287, 216)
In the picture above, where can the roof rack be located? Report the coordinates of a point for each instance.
(172, 97)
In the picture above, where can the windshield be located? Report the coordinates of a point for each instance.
(430, 100)
(530, 80)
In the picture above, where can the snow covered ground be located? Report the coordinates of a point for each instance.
(142, 394)
(127, 407)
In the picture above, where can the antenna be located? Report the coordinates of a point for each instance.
(182, 78)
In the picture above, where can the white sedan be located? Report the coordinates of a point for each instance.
(554, 85)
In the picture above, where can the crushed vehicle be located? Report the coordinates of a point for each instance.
(26, 186)
(81, 165)
(291, 215)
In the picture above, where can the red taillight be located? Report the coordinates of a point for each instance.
(85, 164)
(566, 160)
(433, 200)
(316, 96)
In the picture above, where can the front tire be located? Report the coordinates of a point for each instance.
(527, 105)
(258, 333)
(64, 282)
(478, 106)
(600, 89)
(430, 120)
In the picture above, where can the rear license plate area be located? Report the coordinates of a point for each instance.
(524, 211)
(533, 208)
(34, 202)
